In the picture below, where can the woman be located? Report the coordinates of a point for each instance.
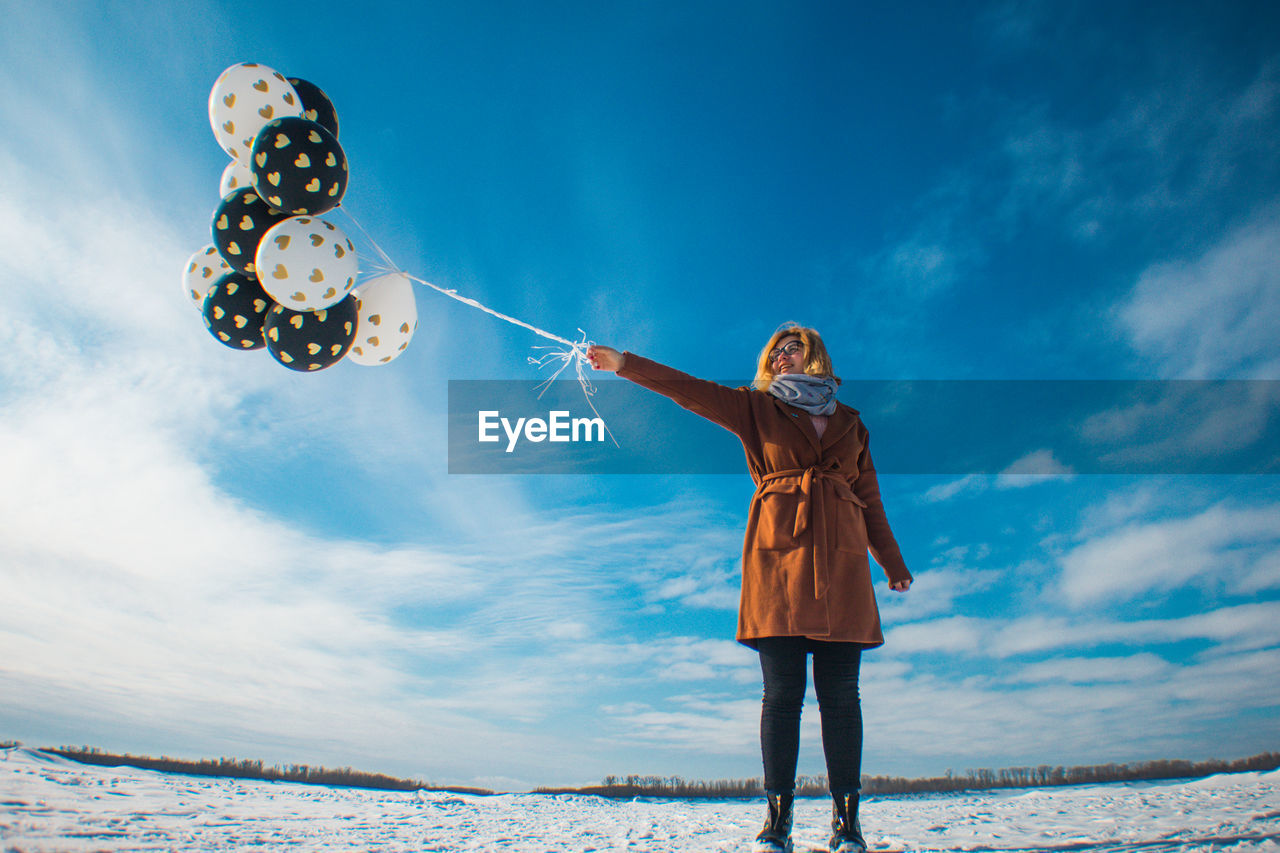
(806, 581)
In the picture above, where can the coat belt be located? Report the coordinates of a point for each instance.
(811, 511)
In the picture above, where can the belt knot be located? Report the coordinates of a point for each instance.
(810, 512)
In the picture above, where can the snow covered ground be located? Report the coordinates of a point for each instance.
(51, 804)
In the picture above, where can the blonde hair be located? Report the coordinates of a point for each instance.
(816, 360)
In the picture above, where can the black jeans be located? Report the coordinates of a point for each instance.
(835, 680)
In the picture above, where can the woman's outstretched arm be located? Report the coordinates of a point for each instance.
(728, 407)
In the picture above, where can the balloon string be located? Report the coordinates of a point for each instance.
(373, 265)
(372, 242)
(575, 355)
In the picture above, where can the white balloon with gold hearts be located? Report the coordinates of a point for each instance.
(388, 318)
(243, 99)
(203, 269)
(306, 263)
(235, 177)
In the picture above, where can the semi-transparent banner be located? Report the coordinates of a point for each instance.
(939, 427)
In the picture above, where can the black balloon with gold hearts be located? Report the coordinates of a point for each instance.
(311, 340)
(234, 311)
(316, 105)
(238, 225)
(298, 166)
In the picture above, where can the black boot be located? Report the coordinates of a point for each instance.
(776, 835)
(846, 834)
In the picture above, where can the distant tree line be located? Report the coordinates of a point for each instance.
(972, 780)
(675, 787)
(671, 786)
(1046, 775)
(253, 769)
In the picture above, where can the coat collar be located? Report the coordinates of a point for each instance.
(839, 422)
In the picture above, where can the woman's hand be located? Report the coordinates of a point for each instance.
(605, 358)
(900, 586)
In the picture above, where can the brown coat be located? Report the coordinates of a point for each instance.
(815, 513)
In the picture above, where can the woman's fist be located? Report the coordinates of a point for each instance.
(605, 358)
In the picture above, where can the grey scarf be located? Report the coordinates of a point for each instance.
(815, 394)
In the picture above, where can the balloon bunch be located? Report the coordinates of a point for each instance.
(277, 275)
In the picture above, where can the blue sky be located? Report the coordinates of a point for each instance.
(202, 553)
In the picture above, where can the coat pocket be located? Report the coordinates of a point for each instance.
(851, 528)
(776, 517)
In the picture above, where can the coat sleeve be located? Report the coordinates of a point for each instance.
(728, 407)
(880, 539)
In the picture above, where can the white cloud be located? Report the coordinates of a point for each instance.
(667, 659)
(1190, 425)
(1231, 628)
(1093, 670)
(1213, 315)
(729, 727)
(950, 635)
(1040, 466)
(938, 589)
(1242, 627)
(1218, 546)
(950, 489)
(923, 266)
(926, 260)
(1263, 574)
(1144, 499)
